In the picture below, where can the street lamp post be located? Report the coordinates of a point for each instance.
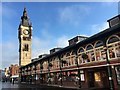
(109, 68)
(109, 72)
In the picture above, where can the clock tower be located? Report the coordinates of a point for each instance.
(25, 39)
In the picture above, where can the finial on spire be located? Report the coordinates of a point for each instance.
(24, 9)
(25, 12)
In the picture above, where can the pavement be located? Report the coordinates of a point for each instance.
(24, 86)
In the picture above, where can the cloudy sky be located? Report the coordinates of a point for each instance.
(53, 24)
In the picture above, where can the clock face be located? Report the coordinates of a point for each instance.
(26, 32)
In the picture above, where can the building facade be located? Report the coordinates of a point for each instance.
(25, 40)
(12, 72)
(93, 62)
(14, 69)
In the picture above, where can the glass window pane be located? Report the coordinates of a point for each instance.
(81, 50)
(103, 55)
(111, 53)
(117, 51)
(98, 55)
(98, 44)
(89, 47)
(97, 76)
(113, 39)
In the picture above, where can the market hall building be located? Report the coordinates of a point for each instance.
(88, 62)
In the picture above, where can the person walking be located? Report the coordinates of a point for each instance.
(13, 80)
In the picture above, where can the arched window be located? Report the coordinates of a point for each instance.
(67, 54)
(72, 58)
(80, 52)
(45, 65)
(33, 67)
(38, 66)
(66, 59)
(113, 39)
(63, 57)
(73, 52)
(56, 62)
(52, 61)
(98, 44)
(89, 47)
(99, 51)
(113, 44)
(90, 53)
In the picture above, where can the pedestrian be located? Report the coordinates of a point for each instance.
(13, 80)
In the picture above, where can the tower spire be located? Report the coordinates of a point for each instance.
(24, 8)
(24, 12)
(24, 18)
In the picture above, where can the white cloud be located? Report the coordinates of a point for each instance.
(8, 49)
(62, 41)
(39, 46)
(73, 14)
(9, 54)
(98, 27)
(45, 34)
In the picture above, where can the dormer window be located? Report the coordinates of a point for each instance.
(114, 21)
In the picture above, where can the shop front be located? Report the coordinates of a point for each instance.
(97, 77)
